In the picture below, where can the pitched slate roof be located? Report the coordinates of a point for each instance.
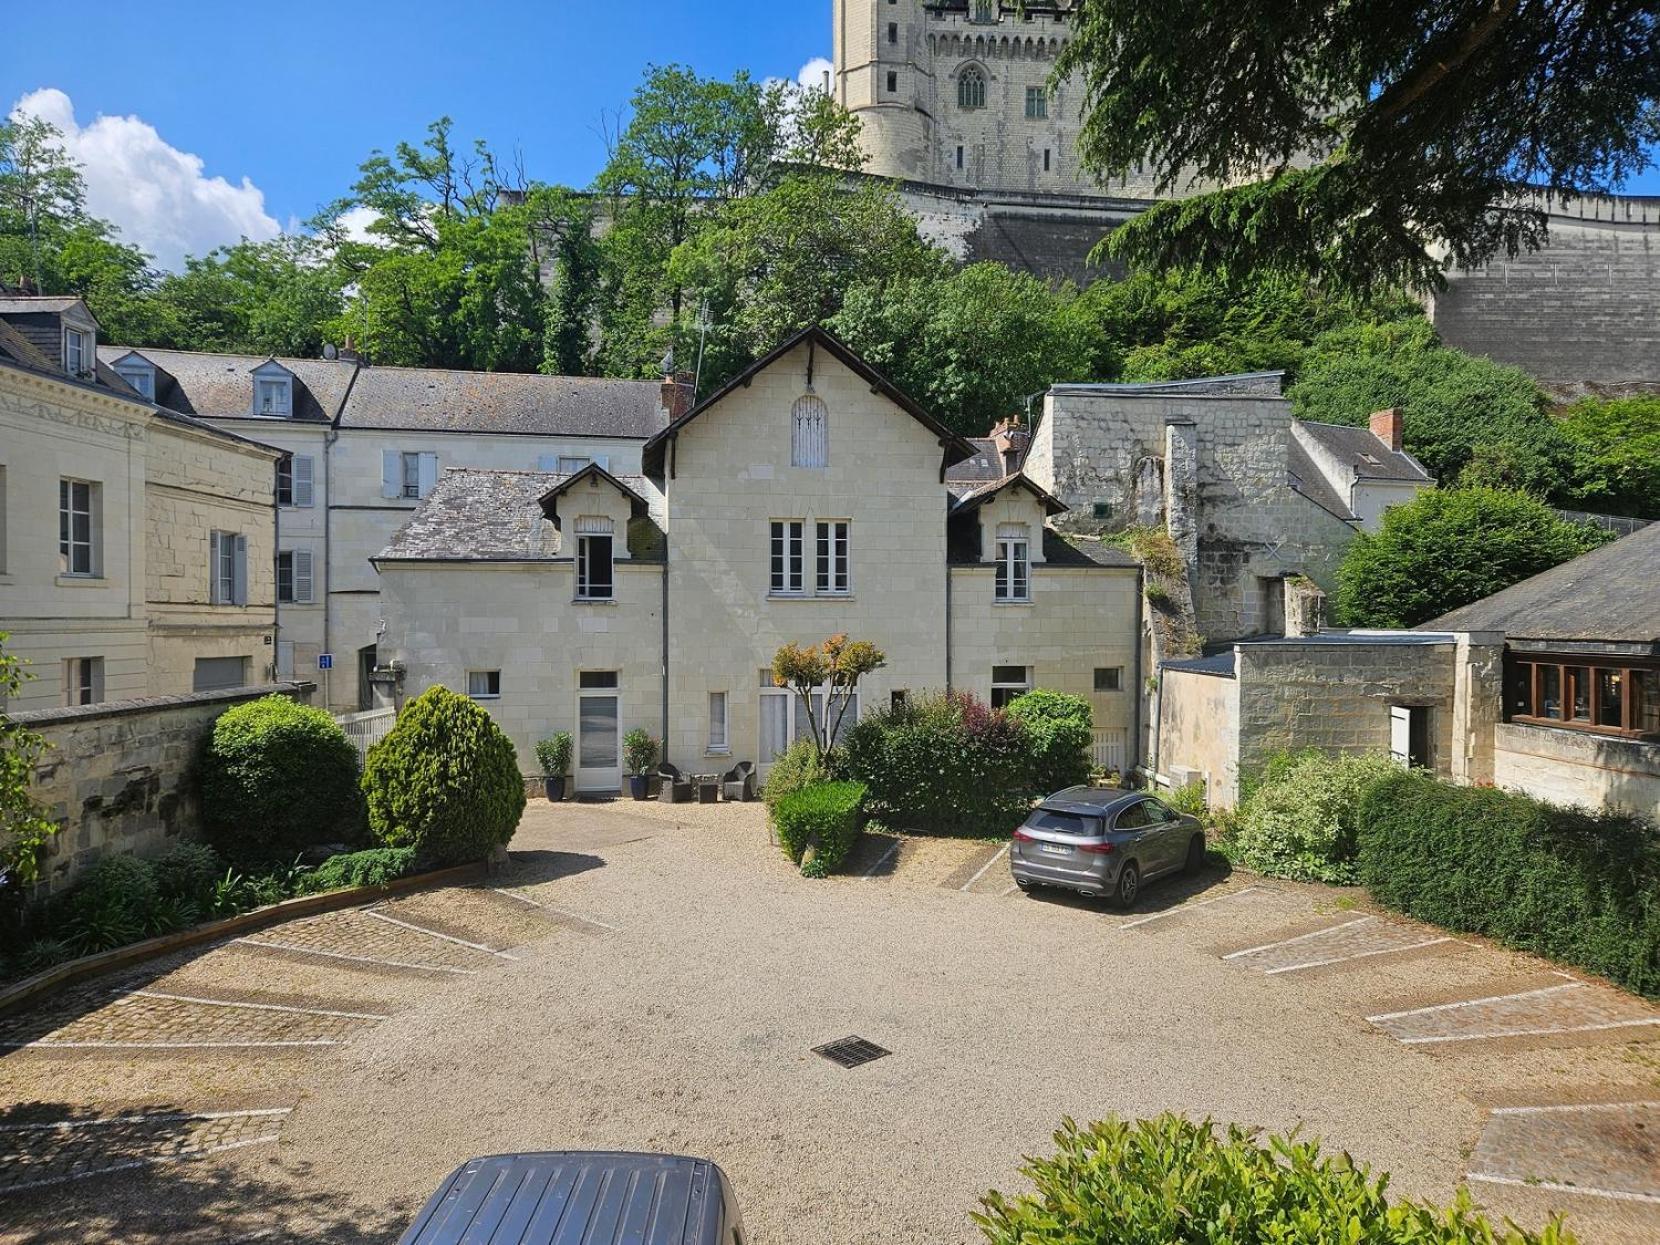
(1366, 452)
(1610, 595)
(1305, 477)
(986, 465)
(1239, 384)
(982, 493)
(219, 385)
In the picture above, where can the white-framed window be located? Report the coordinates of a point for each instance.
(78, 506)
(784, 720)
(809, 432)
(141, 376)
(411, 475)
(835, 576)
(971, 88)
(1014, 563)
(408, 475)
(788, 557)
(1007, 682)
(294, 578)
(570, 464)
(83, 681)
(484, 684)
(295, 480)
(77, 351)
(595, 566)
(1037, 103)
(720, 736)
(273, 395)
(228, 561)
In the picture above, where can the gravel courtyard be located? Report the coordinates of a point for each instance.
(655, 977)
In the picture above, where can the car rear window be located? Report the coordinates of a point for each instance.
(1063, 823)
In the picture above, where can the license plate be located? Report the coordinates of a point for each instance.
(1054, 849)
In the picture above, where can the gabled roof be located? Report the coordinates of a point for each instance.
(1610, 595)
(985, 492)
(986, 465)
(1234, 385)
(550, 499)
(1304, 476)
(956, 448)
(1366, 452)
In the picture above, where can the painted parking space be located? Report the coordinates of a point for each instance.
(1345, 939)
(1568, 1010)
(546, 901)
(1601, 1150)
(41, 1154)
(361, 938)
(162, 1020)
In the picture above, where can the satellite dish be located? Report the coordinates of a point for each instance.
(668, 364)
(330, 351)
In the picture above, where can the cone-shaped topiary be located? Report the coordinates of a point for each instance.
(278, 777)
(445, 781)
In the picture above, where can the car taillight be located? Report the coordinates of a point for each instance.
(1022, 837)
(1096, 849)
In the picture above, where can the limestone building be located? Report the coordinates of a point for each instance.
(137, 544)
(808, 497)
(361, 446)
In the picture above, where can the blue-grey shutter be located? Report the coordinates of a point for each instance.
(214, 595)
(302, 576)
(391, 473)
(302, 477)
(429, 473)
(239, 590)
(548, 462)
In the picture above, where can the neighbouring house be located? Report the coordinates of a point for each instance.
(137, 543)
(807, 497)
(363, 445)
(1551, 687)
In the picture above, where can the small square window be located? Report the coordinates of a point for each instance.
(484, 684)
(898, 698)
(1102, 510)
(1109, 678)
(597, 680)
(83, 681)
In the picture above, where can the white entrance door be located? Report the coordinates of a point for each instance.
(784, 720)
(598, 749)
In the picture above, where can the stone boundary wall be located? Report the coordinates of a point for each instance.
(117, 777)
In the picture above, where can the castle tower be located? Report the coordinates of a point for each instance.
(883, 74)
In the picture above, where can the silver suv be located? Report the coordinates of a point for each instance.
(1104, 843)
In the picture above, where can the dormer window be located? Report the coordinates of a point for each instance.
(77, 351)
(273, 395)
(138, 373)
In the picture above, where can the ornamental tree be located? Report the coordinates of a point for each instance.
(831, 669)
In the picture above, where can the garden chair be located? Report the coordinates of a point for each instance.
(676, 789)
(738, 783)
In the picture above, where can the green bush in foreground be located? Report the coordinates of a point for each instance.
(375, 867)
(818, 825)
(1059, 730)
(278, 777)
(1176, 1182)
(1301, 819)
(1579, 887)
(445, 781)
(799, 768)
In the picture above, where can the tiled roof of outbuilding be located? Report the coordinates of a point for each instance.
(1366, 452)
(986, 465)
(1305, 477)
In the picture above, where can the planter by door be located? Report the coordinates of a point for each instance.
(554, 788)
(639, 786)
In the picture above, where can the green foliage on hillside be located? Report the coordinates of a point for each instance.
(1616, 447)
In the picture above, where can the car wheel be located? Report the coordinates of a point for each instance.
(1129, 885)
(1195, 854)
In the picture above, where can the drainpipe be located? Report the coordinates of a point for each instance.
(329, 438)
(666, 644)
(1140, 686)
(276, 597)
(948, 623)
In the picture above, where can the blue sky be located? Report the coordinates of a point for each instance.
(280, 103)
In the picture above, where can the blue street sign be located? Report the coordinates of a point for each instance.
(325, 661)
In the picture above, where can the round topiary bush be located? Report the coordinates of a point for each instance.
(277, 778)
(445, 782)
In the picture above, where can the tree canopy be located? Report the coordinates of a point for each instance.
(1355, 140)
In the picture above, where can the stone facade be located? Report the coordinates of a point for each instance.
(117, 778)
(1574, 767)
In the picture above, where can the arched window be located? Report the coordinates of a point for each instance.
(983, 11)
(809, 432)
(971, 88)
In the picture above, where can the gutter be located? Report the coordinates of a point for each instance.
(1140, 641)
(329, 438)
(665, 663)
(948, 623)
(276, 596)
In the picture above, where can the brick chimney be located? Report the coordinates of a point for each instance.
(1387, 426)
(679, 393)
(1011, 440)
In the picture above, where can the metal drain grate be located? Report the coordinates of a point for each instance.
(850, 1052)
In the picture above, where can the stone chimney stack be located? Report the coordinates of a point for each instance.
(679, 393)
(1011, 440)
(348, 350)
(1387, 427)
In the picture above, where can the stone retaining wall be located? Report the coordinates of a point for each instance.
(117, 776)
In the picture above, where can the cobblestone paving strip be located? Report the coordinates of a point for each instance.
(357, 935)
(1565, 1010)
(271, 945)
(432, 933)
(1609, 1150)
(1358, 939)
(40, 1155)
(145, 1018)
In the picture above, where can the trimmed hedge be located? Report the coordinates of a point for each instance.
(1579, 887)
(797, 769)
(444, 782)
(1059, 730)
(278, 777)
(1174, 1180)
(818, 825)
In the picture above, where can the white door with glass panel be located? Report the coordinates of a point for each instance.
(598, 744)
(784, 720)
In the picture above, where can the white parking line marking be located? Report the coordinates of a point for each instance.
(1492, 998)
(164, 1117)
(1361, 955)
(1619, 1194)
(886, 856)
(1510, 1033)
(255, 1007)
(130, 1164)
(432, 933)
(1013, 887)
(355, 959)
(48, 1044)
(545, 907)
(981, 872)
(1287, 942)
(1188, 907)
(1571, 1107)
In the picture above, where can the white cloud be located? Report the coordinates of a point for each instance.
(811, 75)
(157, 194)
(355, 222)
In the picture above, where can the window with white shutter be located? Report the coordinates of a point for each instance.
(302, 470)
(809, 432)
(294, 578)
(1014, 563)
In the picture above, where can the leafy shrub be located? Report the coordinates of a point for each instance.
(187, 871)
(818, 825)
(553, 754)
(1616, 454)
(1301, 819)
(1189, 799)
(1059, 732)
(944, 765)
(1173, 1180)
(799, 768)
(375, 867)
(639, 751)
(445, 781)
(1579, 887)
(278, 777)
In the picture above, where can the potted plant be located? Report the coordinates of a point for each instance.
(639, 755)
(554, 753)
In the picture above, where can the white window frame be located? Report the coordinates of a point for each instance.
(141, 376)
(720, 725)
(228, 568)
(75, 350)
(68, 543)
(301, 579)
(83, 681)
(833, 547)
(396, 477)
(411, 479)
(787, 558)
(585, 587)
(1014, 571)
(274, 395)
(483, 678)
(1004, 685)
